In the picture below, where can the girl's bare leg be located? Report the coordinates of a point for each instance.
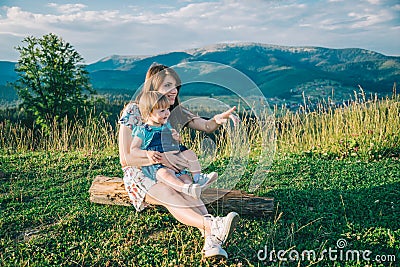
(184, 210)
(192, 159)
(168, 177)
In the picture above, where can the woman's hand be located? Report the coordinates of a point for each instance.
(223, 117)
(213, 124)
(154, 156)
(173, 161)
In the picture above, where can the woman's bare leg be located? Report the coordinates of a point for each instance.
(168, 177)
(201, 208)
(184, 210)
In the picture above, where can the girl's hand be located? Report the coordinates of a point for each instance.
(223, 117)
(176, 136)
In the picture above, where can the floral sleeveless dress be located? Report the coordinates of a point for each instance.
(136, 183)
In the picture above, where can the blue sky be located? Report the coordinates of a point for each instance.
(100, 28)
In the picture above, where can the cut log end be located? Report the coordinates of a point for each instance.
(111, 191)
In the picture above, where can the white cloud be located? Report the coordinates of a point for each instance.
(374, 2)
(396, 7)
(18, 16)
(67, 8)
(369, 19)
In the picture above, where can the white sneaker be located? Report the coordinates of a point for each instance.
(222, 227)
(205, 180)
(212, 248)
(193, 190)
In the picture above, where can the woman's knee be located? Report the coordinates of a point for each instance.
(161, 194)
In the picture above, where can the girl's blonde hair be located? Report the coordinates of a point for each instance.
(152, 100)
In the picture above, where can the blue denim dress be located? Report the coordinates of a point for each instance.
(161, 141)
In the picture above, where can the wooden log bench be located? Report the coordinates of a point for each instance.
(111, 191)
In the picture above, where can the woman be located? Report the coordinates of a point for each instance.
(144, 190)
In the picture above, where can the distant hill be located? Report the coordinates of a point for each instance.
(283, 72)
(279, 71)
(7, 73)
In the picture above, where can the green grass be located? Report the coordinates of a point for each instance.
(47, 218)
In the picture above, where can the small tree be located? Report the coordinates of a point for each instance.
(52, 83)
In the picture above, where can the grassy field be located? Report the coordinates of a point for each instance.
(47, 219)
(336, 186)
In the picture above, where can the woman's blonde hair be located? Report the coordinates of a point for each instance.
(152, 100)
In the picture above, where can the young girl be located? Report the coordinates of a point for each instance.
(157, 136)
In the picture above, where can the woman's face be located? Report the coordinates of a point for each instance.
(168, 88)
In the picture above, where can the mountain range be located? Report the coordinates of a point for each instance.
(280, 72)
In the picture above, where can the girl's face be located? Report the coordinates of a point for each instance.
(158, 116)
(168, 88)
